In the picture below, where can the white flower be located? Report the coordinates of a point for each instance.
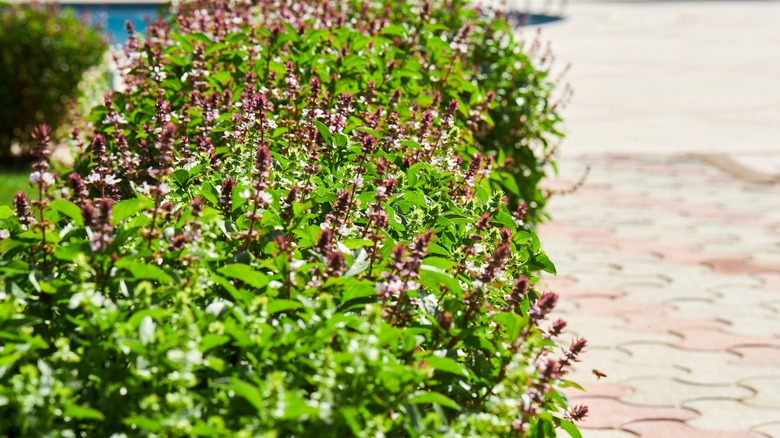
(111, 179)
(4, 234)
(146, 330)
(48, 178)
(215, 308)
(265, 197)
(35, 177)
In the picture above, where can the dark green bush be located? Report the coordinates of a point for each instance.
(43, 55)
(280, 230)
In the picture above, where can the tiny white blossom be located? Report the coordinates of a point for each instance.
(265, 197)
(35, 177)
(146, 330)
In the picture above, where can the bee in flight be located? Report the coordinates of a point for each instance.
(599, 374)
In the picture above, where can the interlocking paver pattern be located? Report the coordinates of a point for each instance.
(671, 269)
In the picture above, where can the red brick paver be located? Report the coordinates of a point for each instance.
(671, 269)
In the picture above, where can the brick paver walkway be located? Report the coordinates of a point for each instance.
(671, 269)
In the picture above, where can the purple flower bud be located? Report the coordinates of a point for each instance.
(335, 262)
(22, 206)
(452, 107)
(578, 413)
(226, 194)
(425, 124)
(88, 214)
(557, 328)
(325, 241)
(368, 144)
(263, 160)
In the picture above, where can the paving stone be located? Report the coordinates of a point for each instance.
(598, 388)
(601, 306)
(757, 356)
(666, 392)
(771, 430)
(700, 367)
(767, 392)
(608, 413)
(744, 297)
(769, 281)
(602, 331)
(673, 267)
(711, 339)
(728, 416)
(710, 309)
(666, 322)
(597, 433)
(619, 366)
(679, 429)
(644, 293)
(755, 326)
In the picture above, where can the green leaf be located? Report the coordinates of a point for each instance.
(568, 427)
(513, 322)
(546, 264)
(247, 391)
(185, 43)
(350, 416)
(570, 384)
(70, 252)
(245, 273)
(370, 131)
(181, 176)
(124, 209)
(223, 76)
(447, 365)
(144, 271)
(435, 397)
(276, 306)
(432, 277)
(439, 262)
(358, 289)
(144, 423)
(83, 413)
(69, 209)
(394, 30)
(212, 341)
(297, 407)
(324, 132)
(361, 264)
(6, 212)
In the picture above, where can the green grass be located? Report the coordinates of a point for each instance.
(12, 181)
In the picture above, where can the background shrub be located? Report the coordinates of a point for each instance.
(471, 55)
(43, 55)
(279, 230)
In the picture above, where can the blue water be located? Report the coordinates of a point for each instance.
(534, 19)
(112, 17)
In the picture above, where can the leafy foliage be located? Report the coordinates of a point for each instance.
(43, 55)
(280, 230)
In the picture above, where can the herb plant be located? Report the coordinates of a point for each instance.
(282, 230)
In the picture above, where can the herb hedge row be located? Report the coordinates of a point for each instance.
(283, 226)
